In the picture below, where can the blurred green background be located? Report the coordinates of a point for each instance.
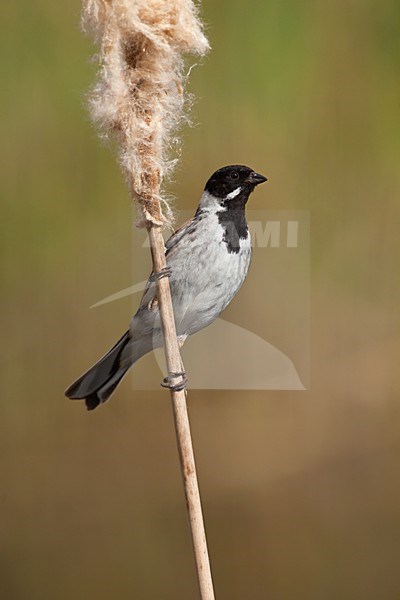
(301, 490)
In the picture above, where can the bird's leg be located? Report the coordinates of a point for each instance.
(181, 385)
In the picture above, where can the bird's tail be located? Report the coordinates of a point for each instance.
(98, 383)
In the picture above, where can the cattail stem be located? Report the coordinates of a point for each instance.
(138, 102)
(181, 418)
(199, 541)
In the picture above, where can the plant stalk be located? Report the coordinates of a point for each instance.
(181, 419)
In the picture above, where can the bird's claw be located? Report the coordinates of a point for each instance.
(175, 387)
(165, 272)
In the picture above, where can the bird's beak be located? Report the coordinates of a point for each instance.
(255, 178)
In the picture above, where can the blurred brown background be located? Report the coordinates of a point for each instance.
(301, 490)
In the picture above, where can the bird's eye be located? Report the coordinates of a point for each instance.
(234, 175)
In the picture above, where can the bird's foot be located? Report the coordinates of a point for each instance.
(175, 387)
(165, 272)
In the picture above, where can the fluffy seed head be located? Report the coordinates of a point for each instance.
(139, 98)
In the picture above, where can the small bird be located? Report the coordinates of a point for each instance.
(207, 262)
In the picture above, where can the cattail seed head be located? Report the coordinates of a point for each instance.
(138, 100)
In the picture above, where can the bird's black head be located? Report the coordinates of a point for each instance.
(228, 182)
